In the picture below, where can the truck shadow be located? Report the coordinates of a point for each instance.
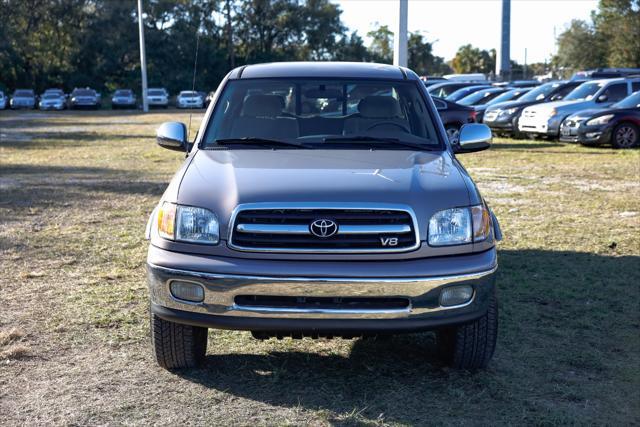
(560, 312)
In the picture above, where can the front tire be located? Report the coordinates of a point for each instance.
(625, 135)
(471, 346)
(177, 346)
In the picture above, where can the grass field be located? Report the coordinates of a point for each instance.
(76, 189)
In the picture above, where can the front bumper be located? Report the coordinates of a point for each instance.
(594, 135)
(220, 308)
(542, 126)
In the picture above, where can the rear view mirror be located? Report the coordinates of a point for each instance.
(172, 136)
(473, 137)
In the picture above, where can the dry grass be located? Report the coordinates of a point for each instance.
(75, 193)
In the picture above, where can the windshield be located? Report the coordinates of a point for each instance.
(51, 96)
(477, 98)
(23, 92)
(123, 92)
(84, 92)
(315, 112)
(188, 93)
(631, 101)
(541, 92)
(156, 92)
(465, 91)
(584, 91)
(508, 96)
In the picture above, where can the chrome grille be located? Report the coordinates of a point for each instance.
(357, 230)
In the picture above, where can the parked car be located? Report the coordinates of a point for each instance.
(23, 98)
(465, 91)
(52, 101)
(84, 98)
(430, 81)
(123, 98)
(545, 119)
(453, 117)
(158, 97)
(481, 96)
(3, 101)
(508, 95)
(291, 224)
(618, 125)
(442, 90)
(503, 118)
(189, 99)
(518, 83)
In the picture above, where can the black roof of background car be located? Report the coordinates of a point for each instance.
(345, 70)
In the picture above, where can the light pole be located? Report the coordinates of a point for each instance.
(400, 39)
(143, 59)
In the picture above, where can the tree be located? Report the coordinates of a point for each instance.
(470, 59)
(617, 23)
(381, 47)
(580, 47)
(421, 58)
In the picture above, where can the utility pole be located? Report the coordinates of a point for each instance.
(400, 39)
(503, 57)
(524, 71)
(232, 57)
(143, 59)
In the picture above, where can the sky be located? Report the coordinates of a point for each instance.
(453, 23)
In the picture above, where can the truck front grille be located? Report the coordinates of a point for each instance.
(324, 230)
(322, 303)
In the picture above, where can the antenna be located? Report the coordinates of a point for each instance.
(193, 83)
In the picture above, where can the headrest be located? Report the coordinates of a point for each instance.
(379, 107)
(263, 106)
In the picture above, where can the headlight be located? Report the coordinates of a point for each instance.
(552, 112)
(459, 226)
(188, 224)
(73, 99)
(602, 120)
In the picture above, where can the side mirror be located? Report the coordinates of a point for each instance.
(473, 137)
(603, 98)
(172, 136)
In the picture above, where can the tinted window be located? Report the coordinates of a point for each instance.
(123, 92)
(156, 92)
(616, 92)
(188, 93)
(84, 92)
(635, 86)
(23, 92)
(312, 110)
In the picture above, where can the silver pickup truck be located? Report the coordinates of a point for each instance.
(322, 200)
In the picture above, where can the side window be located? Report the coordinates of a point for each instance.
(616, 92)
(440, 104)
(635, 86)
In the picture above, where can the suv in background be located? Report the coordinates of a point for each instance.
(84, 98)
(158, 97)
(545, 119)
(503, 117)
(322, 200)
(189, 99)
(23, 98)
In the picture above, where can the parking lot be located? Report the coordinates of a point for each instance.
(76, 189)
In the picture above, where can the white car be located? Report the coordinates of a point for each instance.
(189, 99)
(545, 119)
(158, 97)
(52, 101)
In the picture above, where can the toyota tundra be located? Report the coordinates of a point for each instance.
(322, 200)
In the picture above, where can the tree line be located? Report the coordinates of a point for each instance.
(75, 43)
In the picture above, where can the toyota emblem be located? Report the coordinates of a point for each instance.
(323, 228)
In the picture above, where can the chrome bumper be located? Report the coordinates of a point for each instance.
(221, 289)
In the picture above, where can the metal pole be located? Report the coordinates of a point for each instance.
(143, 59)
(524, 73)
(400, 39)
(503, 58)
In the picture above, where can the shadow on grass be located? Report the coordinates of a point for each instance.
(567, 321)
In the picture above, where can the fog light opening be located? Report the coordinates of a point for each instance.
(188, 291)
(456, 295)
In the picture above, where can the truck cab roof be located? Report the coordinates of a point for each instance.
(355, 70)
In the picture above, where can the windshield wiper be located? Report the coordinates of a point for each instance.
(366, 138)
(259, 141)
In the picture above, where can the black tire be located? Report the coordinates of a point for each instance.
(177, 346)
(625, 135)
(471, 346)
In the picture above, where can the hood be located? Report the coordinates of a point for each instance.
(511, 104)
(589, 113)
(221, 180)
(562, 105)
